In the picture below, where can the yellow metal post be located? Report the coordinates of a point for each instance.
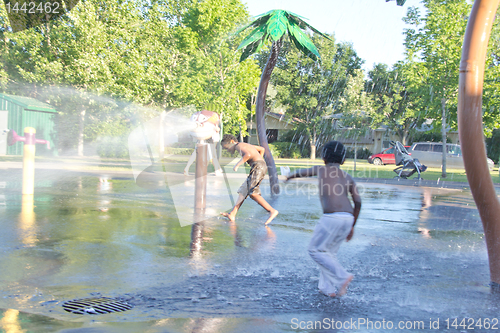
(29, 161)
(27, 220)
(29, 140)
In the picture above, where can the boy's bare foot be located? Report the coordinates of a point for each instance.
(272, 215)
(229, 216)
(326, 294)
(343, 289)
(186, 173)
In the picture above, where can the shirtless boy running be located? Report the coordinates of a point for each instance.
(253, 155)
(338, 220)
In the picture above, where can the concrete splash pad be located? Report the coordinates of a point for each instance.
(418, 256)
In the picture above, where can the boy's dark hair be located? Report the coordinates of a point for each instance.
(333, 152)
(227, 138)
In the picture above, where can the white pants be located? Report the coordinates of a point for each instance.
(329, 233)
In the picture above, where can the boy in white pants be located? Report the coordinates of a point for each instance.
(338, 220)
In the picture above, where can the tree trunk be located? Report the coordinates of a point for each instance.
(443, 132)
(355, 153)
(241, 134)
(47, 31)
(470, 127)
(81, 122)
(161, 136)
(259, 115)
(313, 145)
(405, 137)
(221, 134)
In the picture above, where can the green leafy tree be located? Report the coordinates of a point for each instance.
(491, 86)
(192, 59)
(272, 26)
(435, 41)
(356, 105)
(393, 102)
(214, 72)
(310, 90)
(62, 61)
(357, 109)
(157, 54)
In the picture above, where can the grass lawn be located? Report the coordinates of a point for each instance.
(177, 164)
(367, 170)
(11, 158)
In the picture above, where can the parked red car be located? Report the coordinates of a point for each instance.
(385, 157)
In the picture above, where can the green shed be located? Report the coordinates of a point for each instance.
(18, 112)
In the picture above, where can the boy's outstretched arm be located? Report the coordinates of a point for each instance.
(244, 158)
(356, 198)
(304, 172)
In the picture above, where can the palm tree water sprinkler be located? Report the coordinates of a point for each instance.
(272, 26)
(470, 128)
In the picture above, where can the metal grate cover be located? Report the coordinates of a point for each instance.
(96, 305)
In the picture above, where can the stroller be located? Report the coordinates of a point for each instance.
(407, 165)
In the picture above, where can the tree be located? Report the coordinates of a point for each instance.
(436, 41)
(357, 108)
(310, 90)
(156, 54)
(394, 104)
(213, 72)
(273, 25)
(62, 61)
(491, 88)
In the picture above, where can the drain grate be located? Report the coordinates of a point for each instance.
(100, 305)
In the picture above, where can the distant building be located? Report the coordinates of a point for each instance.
(18, 112)
(378, 139)
(374, 140)
(276, 126)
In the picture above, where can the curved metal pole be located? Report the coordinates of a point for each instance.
(470, 127)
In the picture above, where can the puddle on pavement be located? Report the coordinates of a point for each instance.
(14, 321)
(414, 252)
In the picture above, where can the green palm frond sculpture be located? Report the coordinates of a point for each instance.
(272, 26)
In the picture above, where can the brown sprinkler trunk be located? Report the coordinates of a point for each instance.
(470, 128)
(259, 116)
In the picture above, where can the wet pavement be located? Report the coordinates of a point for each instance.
(418, 256)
